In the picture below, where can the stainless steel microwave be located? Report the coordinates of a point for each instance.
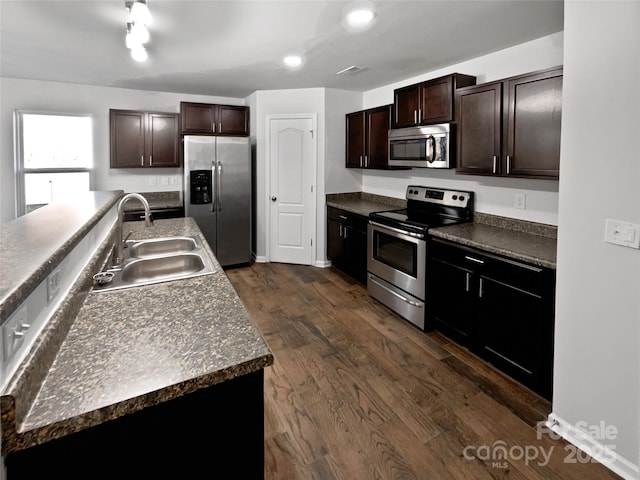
(427, 147)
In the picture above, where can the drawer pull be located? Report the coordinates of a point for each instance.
(476, 260)
(342, 217)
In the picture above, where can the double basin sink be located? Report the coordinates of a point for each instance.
(156, 260)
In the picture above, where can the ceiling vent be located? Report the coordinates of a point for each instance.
(353, 69)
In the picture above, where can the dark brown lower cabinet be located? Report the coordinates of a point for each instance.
(500, 309)
(197, 435)
(347, 242)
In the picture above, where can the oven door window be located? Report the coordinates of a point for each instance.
(395, 252)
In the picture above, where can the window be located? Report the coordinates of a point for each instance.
(54, 157)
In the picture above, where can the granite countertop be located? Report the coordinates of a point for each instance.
(526, 241)
(364, 203)
(156, 200)
(32, 245)
(133, 348)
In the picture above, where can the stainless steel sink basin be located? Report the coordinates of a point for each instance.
(157, 260)
(160, 268)
(160, 246)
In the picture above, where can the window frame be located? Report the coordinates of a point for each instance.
(19, 169)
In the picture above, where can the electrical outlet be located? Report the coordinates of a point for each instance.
(14, 330)
(53, 284)
(152, 181)
(520, 201)
(164, 181)
(622, 233)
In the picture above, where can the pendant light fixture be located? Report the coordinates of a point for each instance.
(137, 33)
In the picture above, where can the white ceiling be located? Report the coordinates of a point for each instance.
(233, 48)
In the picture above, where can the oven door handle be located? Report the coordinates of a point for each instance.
(397, 230)
(401, 297)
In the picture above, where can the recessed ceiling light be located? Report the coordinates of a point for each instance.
(360, 17)
(292, 61)
(139, 53)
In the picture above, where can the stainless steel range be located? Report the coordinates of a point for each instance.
(397, 247)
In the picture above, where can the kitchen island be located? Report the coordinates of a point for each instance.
(157, 380)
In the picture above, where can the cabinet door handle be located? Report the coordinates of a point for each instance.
(213, 127)
(477, 260)
(340, 231)
(480, 289)
(420, 115)
(360, 161)
(467, 279)
(415, 117)
(219, 127)
(495, 163)
(345, 232)
(142, 160)
(150, 160)
(342, 217)
(365, 160)
(508, 164)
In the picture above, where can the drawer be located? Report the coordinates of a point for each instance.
(530, 278)
(358, 222)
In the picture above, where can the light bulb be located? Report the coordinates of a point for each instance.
(139, 53)
(139, 33)
(360, 18)
(292, 61)
(140, 13)
(128, 39)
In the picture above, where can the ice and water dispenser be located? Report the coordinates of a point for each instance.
(200, 186)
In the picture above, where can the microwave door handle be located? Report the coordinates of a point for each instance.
(431, 158)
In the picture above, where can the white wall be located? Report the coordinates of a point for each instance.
(275, 102)
(71, 98)
(493, 195)
(338, 178)
(597, 355)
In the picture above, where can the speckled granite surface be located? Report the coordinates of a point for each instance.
(364, 203)
(32, 246)
(526, 241)
(133, 348)
(156, 200)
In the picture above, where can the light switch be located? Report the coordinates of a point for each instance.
(622, 233)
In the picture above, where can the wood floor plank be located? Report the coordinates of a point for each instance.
(357, 392)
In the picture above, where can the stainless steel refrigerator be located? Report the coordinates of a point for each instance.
(217, 193)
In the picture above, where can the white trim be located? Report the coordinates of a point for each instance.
(594, 448)
(323, 263)
(314, 122)
(261, 259)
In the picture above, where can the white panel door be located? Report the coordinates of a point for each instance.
(291, 190)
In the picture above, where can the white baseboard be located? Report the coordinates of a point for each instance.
(261, 259)
(594, 448)
(323, 263)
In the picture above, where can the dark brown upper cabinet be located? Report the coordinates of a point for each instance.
(143, 139)
(511, 127)
(212, 119)
(367, 134)
(427, 102)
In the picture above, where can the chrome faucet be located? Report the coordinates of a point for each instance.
(148, 221)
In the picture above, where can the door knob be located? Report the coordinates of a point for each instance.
(273, 199)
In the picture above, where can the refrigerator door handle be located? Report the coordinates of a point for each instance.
(214, 192)
(219, 189)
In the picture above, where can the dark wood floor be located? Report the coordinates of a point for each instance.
(356, 392)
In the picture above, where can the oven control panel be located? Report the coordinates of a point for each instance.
(451, 198)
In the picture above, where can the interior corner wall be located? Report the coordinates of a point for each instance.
(58, 97)
(597, 336)
(278, 102)
(493, 195)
